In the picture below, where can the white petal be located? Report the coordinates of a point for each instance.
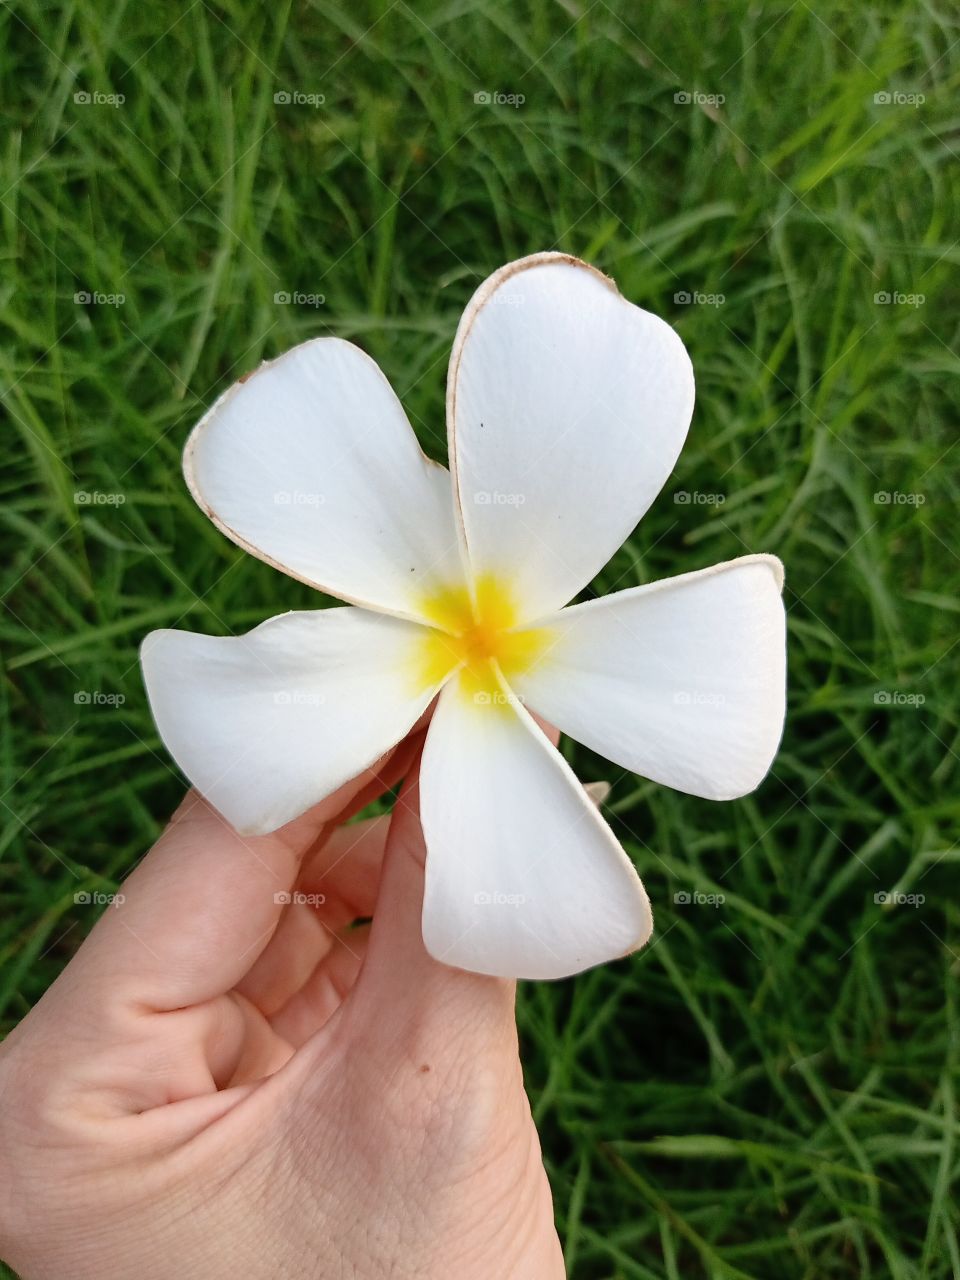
(524, 879)
(682, 681)
(310, 464)
(566, 409)
(267, 724)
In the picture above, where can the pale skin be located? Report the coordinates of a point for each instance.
(220, 1084)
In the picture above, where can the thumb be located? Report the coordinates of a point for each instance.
(405, 997)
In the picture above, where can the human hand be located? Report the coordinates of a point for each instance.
(220, 1084)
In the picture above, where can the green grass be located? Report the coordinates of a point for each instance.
(769, 1089)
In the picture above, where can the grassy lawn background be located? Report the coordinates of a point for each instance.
(769, 1089)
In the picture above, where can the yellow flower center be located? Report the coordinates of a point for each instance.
(478, 636)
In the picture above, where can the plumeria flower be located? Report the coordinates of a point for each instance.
(567, 407)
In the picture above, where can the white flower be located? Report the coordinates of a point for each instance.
(566, 409)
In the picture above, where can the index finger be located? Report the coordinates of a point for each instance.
(205, 901)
